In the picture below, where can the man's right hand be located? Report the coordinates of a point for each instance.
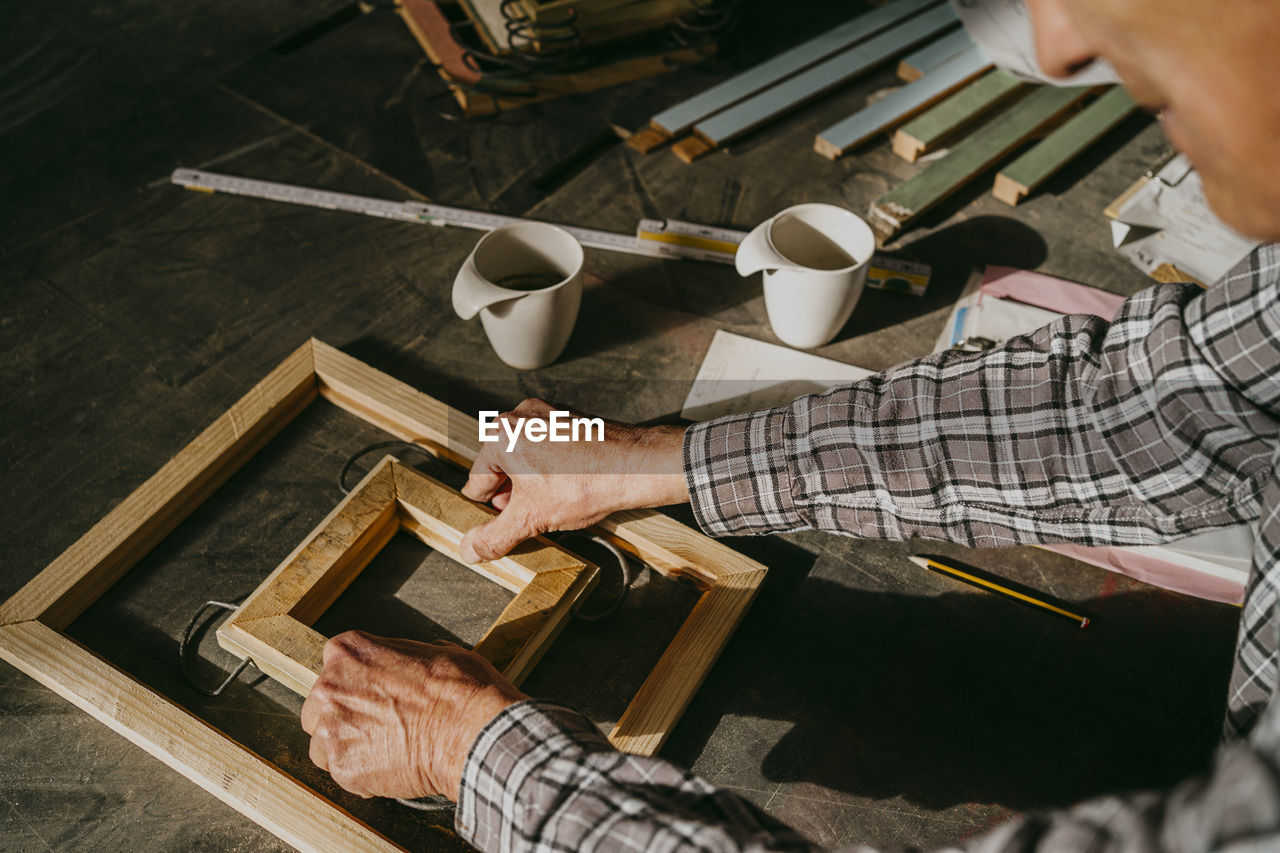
(543, 486)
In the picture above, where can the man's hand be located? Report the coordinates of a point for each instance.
(395, 718)
(541, 486)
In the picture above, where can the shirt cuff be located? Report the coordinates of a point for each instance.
(739, 475)
(511, 748)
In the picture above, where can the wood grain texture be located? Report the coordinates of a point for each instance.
(201, 753)
(401, 410)
(308, 580)
(110, 548)
(944, 122)
(1049, 156)
(900, 106)
(751, 113)
(648, 139)
(691, 148)
(897, 209)
(519, 638)
(681, 118)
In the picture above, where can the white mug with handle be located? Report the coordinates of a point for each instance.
(525, 282)
(814, 258)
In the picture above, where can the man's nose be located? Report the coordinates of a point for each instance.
(1060, 47)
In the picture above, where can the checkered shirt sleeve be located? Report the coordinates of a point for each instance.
(1162, 422)
(1159, 424)
(542, 779)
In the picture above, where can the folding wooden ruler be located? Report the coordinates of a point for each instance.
(669, 238)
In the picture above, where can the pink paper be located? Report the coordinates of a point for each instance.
(1046, 291)
(1156, 572)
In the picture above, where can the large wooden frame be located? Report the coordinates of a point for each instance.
(33, 620)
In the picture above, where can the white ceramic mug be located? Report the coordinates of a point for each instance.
(814, 258)
(525, 282)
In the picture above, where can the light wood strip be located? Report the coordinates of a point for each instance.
(1026, 174)
(274, 800)
(918, 63)
(894, 211)
(331, 556)
(680, 118)
(281, 646)
(900, 106)
(944, 122)
(442, 516)
(759, 109)
(528, 626)
(394, 406)
(110, 548)
(652, 714)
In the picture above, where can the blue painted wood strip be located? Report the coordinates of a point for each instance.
(844, 66)
(902, 104)
(939, 51)
(684, 115)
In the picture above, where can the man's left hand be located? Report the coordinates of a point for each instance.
(396, 718)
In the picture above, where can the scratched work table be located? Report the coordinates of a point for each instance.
(862, 699)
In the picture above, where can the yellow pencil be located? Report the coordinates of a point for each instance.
(973, 576)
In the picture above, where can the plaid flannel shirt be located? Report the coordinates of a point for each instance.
(1163, 422)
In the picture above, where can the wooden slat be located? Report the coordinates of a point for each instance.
(947, 120)
(920, 62)
(330, 557)
(1024, 175)
(101, 556)
(759, 109)
(901, 105)
(683, 116)
(893, 212)
(528, 626)
(271, 798)
(440, 516)
(400, 409)
(652, 714)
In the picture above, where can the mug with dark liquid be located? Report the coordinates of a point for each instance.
(525, 282)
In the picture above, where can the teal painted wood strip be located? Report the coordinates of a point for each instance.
(772, 102)
(892, 212)
(937, 52)
(902, 104)
(684, 115)
(1059, 148)
(928, 130)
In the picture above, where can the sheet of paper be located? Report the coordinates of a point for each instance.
(740, 374)
(1168, 221)
(1002, 28)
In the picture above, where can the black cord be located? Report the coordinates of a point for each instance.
(382, 445)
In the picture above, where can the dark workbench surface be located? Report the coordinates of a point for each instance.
(862, 699)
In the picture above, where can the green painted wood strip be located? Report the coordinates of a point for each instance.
(938, 51)
(747, 115)
(892, 212)
(900, 105)
(684, 115)
(929, 129)
(1059, 148)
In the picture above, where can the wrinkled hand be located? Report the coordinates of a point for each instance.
(542, 486)
(396, 718)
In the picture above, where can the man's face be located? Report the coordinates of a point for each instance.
(1211, 67)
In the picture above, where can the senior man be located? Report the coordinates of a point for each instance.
(1161, 423)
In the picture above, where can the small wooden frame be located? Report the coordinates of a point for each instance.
(272, 626)
(33, 620)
